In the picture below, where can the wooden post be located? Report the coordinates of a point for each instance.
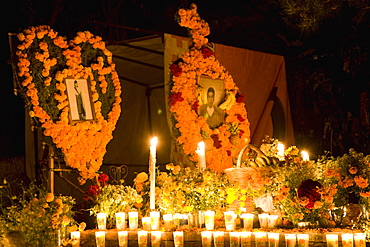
(51, 169)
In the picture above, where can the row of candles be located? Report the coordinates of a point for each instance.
(236, 239)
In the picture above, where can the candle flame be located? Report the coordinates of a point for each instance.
(305, 156)
(154, 141)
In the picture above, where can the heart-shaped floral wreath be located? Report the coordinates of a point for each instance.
(224, 142)
(44, 61)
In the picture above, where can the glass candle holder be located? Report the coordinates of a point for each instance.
(142, 238)
(209, 217)
(331, 240)
(206, 238)
(230, 217)
(234, 239)
(156, 237)
(146, 223)
(263, 219)
(273, 239)
(245, 239)
(154, 220)
(100, 238)
(290, 240)
(303, 239)
(123, 238)
(347, 239)
(120, 220)
(133, 220)
(101, 219)
(178, 238)
(219, 239)
(359, 239)
(272, 221)
(260, 239)
(167, 221)
(75, 237)
(247, 220)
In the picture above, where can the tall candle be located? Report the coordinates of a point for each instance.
(201, 155)
(305, 156)
(281, 151)
(152, 162)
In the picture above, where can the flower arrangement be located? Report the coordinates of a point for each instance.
(111, 198)
(35, 215)
(44, 61)
(224, 142)
(186, 190)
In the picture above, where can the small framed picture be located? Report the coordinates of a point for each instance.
(79, 97)
(215, 94)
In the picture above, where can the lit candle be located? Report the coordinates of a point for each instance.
(100, 238)
(281, 151)
(133, 218)
(101, 219)
(206, 238)
(360, 239)
(247, 220)
(347, 239)
(168, 221)
(272, 219)
(290, 240)
(201, 155)
(263, 219)
(234, 239)
(260, 239)
(154, 220)
(146, 223)
(218, 239)
(305, 156)
(120, 220)
(152, 162)
(273, 239)
(142, 238)
(156, 238)
(123, 238)
(332, 240)
(178, 238)
(209, 217)
(75, 237)
(230, 217)
(303, 239)
(246, 239)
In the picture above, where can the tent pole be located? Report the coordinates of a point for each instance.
(51, 169)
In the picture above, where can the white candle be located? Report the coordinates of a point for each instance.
(178, 238)
(303, 239)
(260, 239)
(75, 237)
(246, 239)
(152, 162)
(272, 220)
(247, 220)
(273, 239)
(142, 238)
(360, 239)
(101, 219)
(332, 240)
(122, 238)
(347, 239)
(120, 220)
(133, 218)
(281, 151)
(206, 238)
(290, 240)
(263, 219)
(234, 239)
(156, 238)
(201, 155)
(230, 217)
(209, 219)
(100, 238)
(305, 156)
(218, 238)
(145, 222)
(154, 220)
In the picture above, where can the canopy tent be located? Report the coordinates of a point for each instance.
(143, 67)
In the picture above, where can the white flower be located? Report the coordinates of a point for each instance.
(265, 202)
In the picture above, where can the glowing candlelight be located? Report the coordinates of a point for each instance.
(201, 155)
(246, 239)
(152, 162)
(154, 220)
(100, 238)
(263, 219)
(218, 239)
(133, 218)
(120, 220)
(273, 239)
(75, 237)
(281, 151)
(178, 238)
(123, 238)
(332, 240)
(142, 238)
(209, 217)
(290, 240)
(156, 238)
(168, 221)
(206, 238)
(347, 239)
(145, 222)
(234, 239)
(101, 219)
(260, 239)
(303, 239)
(305, 156)
(230, 217)
(272, 220)
(360, 239)
(247, 220)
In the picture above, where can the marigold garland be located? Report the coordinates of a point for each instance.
(45, 60)
(222, 143)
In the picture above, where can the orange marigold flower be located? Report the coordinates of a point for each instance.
(361, 182)
(353, 170)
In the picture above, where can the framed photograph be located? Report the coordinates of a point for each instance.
(214, 91)
(79, 97)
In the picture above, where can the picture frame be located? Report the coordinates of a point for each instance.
(80, 100)
(214, 88)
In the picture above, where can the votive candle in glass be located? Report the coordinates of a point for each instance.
(120, 220)
(234, 239)
(206, 238)
(260, 239)
(303, 239)
(273, 239)
(247, 220)
(331, 240)
(100, 238)
(154, 220)
(101, 219)
(75, 237)
(177, 218)
(290, 240)
(142, 238)
(272, 220)
(359, 239)
(168, 221)
(219, 239)
(146, 223)
(347, 239)
(133, 220)
(156, 237)
(230, 217)
(263, 219)
(178, 238)
(246, 239)
(209, 219)
(123, 238)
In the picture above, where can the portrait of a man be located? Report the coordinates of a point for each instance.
(210, 110)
